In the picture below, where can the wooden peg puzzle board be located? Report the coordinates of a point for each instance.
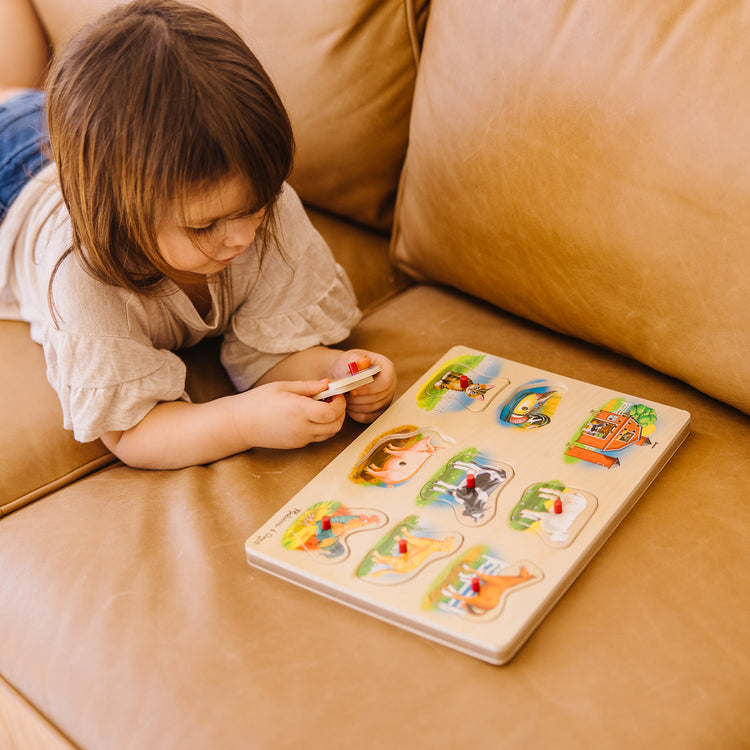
(469, 507)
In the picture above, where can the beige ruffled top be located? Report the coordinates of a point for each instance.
(111, 358)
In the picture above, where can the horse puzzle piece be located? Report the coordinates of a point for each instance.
(405, 552)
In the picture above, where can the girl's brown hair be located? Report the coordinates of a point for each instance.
(152, 101)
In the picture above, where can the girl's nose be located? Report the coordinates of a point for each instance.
(241, 232)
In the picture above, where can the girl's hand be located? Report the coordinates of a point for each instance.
(282, 414)
(366, 403)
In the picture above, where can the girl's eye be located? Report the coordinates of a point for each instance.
(202, 231)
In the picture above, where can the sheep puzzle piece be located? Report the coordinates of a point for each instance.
(470, 506)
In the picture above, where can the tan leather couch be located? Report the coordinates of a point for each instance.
(571, 189)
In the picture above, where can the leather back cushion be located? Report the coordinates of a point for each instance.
(587, 166)
(345, 70)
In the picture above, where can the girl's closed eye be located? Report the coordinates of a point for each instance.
(255, 215)
(203, 231)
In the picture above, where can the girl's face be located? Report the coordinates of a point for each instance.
(214, 228)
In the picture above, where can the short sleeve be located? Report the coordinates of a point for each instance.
(110, 383)
(301, 298)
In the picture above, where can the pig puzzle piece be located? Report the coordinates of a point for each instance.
(397, 456)
(349, 383)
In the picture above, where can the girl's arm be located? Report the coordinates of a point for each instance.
(175, 434)
(278, 412)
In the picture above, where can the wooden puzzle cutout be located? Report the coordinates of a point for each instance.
(356, 379)
(618, 425)
(532, 405)
(406, 551)
(553, 511)
(469, 484)
(323, 528)
(490, 503)
(466, 382)
(477, 584)
(397, 455)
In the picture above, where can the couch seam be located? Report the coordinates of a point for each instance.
(67, 479)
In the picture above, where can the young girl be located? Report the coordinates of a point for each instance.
(164, 218)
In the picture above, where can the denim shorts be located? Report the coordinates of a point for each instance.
(23, 138)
